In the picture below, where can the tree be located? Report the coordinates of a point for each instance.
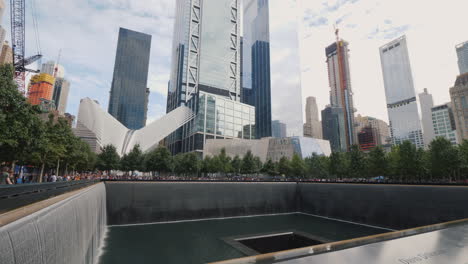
(443, 158)
(297, 166)
(269, 168)
(409, 161)
(236, 164)
(248, 163)
(378, 163)
(339, 165)
(357, 163)
(284, 167)
(159, 160)
(108, 159)
(257, 164)
(463, 155)
(133, 161)
(317, 166)
(224, 162)
(187, 164)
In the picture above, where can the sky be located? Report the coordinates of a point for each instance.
(86, 31)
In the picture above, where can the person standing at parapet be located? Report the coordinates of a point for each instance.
(5, 177)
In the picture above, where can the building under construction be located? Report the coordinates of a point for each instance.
(341, 95)
(41, 88)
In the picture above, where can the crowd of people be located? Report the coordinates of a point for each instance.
(8, 177)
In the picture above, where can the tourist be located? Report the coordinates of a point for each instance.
(5, 177)
(53, 178)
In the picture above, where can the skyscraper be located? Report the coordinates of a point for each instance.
(444, 123)
(459, 96)
(341, 94)
(7, 54)
(205, 74)
(278, 129)
(371, 132)
(127, 102)
(41, 88)
(426, 102)
(275, 84)
(60, 95)
(402, 104)
(312, 126)
(462, 54)
(333, 129)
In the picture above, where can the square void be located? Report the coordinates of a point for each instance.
(273, 242)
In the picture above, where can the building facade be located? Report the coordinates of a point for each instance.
(205, 75)
(6, 57)
(312, 126)
(402, 106)
(341, 94)
(41, 88)
(333, 129)
(462, 54)
(379, 128)
(459, 98)
(278, 129)
(60, 95)
(275, 98)
(128, 95)
(444, 123)
(426, 102)
(50, 67)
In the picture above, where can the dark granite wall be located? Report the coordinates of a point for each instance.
(391, 206)
(146, 202)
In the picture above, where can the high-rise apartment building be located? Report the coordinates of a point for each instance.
(341, 94)
(41, 88)
(312, 126)
(128, 95)
(60, 95)
(462, 54)
(278, 129)
(333, 129)
(444, 123)
(459, 97)
(275, 98)
(49, 68)
(205, 74)
(426, 102)
(7, 54)
(402, 106)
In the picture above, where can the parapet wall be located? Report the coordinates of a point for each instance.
(391, 206)
(69, 231)
(147, 202)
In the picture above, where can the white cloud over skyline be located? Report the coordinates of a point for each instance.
(87, 32)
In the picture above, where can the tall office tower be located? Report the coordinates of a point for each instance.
(205, 74)
(402, 105)
(462, 54)
(270, 30)
(7, 54)
(41, 88)
(312, 126)
(127, 102)
(426, 102)
(49, 68)
(60, 95)
(459, 96)
(333, 129)
(278, 129)
(444, 123)
(2, 10)
(341, 94)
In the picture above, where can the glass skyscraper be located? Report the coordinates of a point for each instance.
(128, 95)
(402, 104)
(205, 74)
(275, 84)
(462, 54)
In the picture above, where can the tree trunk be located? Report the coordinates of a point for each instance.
(42, 172)
(58, 167)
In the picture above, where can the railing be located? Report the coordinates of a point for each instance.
(15, 196)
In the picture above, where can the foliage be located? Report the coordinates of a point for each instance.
(249, 165)
(108, 159)
(159, 160)
(133, 161)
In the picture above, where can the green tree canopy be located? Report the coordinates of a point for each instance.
(108, 159)
(159, 160)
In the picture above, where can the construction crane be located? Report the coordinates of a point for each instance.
(18, 24)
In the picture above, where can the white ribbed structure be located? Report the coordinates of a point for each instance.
(109, 131)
